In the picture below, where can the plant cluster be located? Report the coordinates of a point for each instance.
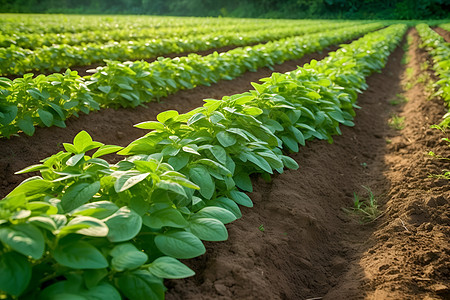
(440, 54)
(17, 60)
(90, 229)
(27, 101)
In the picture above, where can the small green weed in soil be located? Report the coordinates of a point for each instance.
(366, 209)
(396, 122)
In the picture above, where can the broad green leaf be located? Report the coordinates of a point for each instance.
(15, 273)
(78, 194)
(106, 149)
(26, 239)
(166, 115)
(26, 125)
(83, 142)
(180, 244)
(44, 222)
(226, 139)
(93, 276)
(46, 117)
(75, 159)
(208, 229)
(105, 88)
(123, 225)
(289, 162)
(200, 176)
(290, 143)
(180, 161)
(243, 181)
(102, 291)
(9, 113)
(150, 125)
(97, 209)
(241, 198)
(219, 153)
(227, 204)
(128, 180)
(169, 267)
(168, 216)
(171, 186)
(32, 168)
(219, 213)
(38, 207)
(79, 255)
(127, 257)
(139, 285)
(86, 226)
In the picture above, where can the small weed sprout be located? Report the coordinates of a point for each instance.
(396, 122)
(367, 209)
(261, 228)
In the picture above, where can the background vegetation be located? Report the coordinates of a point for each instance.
(348, 9)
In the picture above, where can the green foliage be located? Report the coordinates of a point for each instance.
(49, 100)
(93, 229)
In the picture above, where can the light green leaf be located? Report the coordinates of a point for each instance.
(86, 226)
(166, 115)
(241, 198)
(180, 244)
(169, 267)
(26, 125)
(226, 139)
(106, 149)
(215, 212)
(208, 229)
(128, 180)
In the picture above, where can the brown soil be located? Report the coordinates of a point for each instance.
(444, 33)
(297, 242)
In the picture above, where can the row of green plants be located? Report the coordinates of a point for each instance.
(55, 23)
(89, 229)
(445, 26)
(38, 40)
(16, 60)
(439, 51)
(49, 100)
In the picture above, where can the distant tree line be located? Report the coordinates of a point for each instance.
(348, 9)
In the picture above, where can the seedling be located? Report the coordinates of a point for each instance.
(396, 122)
(399, 99)
(366, 209)
(261, 228)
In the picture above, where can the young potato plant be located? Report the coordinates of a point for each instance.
(89, 229)
(440, 54)
(57, 56)
(49, 100)
(42, 101)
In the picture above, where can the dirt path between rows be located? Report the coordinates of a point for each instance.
(298, 243)
(111, 126)
(444, 33)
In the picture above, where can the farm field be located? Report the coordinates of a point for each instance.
(254, 191)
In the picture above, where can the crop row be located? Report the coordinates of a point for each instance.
(49, 100)
(42, 24)
(440, 54)
(37, 40)
(88, 228)
(16, 60)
